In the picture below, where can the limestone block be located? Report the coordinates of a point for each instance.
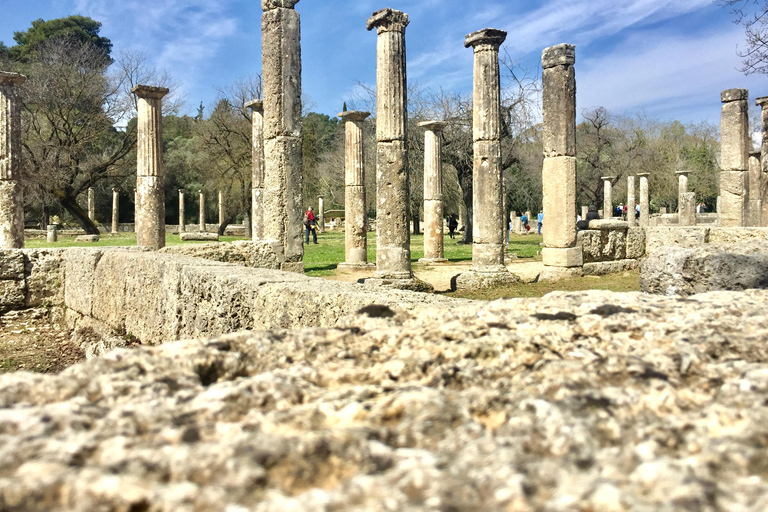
(487, 255)
(558, 55)
(11, 215)
(45, 276)
(602, 268)
(559, 111)
(613, 244)
(687, 209)
(559, 189)
(199, 235)
(685, 271)
(79, 269)
(635, 243)
(562, 257)
(11, 264)
(13, 294)
(283, 209)
(734, 136)
(720, 235)
(667, 235)
(590, 242)
(393, 255)
(274, 4)
(257, 254)
(475, 280)
(489, 219)
(733, 198)
(281, 73)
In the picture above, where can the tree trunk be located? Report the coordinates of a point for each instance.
(46, 219)
(70, 204)
(416, 222)
(228, 219)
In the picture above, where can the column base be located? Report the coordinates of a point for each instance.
(430, 261)
(477, 279)
(560, 273)
(413, 284)
(297, 267)
(356, 267)
(562, 257)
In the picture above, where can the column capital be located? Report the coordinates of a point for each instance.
(607, 178)
(558, 55)
(643, 174)
(433, 126)
(734, 95)
(256, 105)
(684, 172)
(354, 115)
(182, 191)
(388, 20)
(115, 190)
(761, 101)
(486, 36)
(148, 91)
(14, 79)
(268, 5)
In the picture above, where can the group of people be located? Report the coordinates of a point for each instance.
(524, 224)
(622, 210)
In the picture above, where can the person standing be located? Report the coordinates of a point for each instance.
(524, 223)
(452, 224)
(540, 219)
(310, 223)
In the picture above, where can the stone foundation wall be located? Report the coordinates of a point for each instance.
(160, 297)
(611, 246)
(691, 236)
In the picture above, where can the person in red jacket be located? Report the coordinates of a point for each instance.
(310, 223)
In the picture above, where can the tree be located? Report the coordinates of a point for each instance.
(753, 15)
(77, 28)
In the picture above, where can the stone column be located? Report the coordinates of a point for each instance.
(150, 209)
(257, 168)
(687, 209)
(763, 104)
(182, 214)
(393, 251)
(320, 214)
(52, 234)
(645, 205)
(755, 205)
(281, 72)
(607, 196)
(115, 211)
(433, 193)
(631, 202)
(355, 216)
(682, 188)
(221, 207)
(91, 205)
(682, 182)
(584, 212)
(201, 199)
(488, 220)
(561, 255)
(11, 195)
(734, 157)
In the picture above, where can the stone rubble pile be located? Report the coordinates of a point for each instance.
(576, 401)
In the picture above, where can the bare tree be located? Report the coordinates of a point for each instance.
(753, 15)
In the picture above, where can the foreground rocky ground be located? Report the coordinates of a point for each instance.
(590, 401)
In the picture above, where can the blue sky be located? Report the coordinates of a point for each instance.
(669, 60)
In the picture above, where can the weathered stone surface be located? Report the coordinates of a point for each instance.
(11, 194)
(558, 55)
(559, 107)
(281, 61)
(393, 253)
(282, 196)
(734, 95)
(663, 235)
(607, 196)
(562, 257)
(645, 212)
(736, 236)
(13, 294)
(687, 209)
(475, 280)
(257, 254)
(79, 266)
(274, 4)
(197, 235)
(631, 203)
(672, 270)
(635, 243)
(601, 268)
(433, 191)
(559, 189)
(355, 215)
(87, 238)
(11, 215)
(44, 270)
(500, 406)
(12, 265)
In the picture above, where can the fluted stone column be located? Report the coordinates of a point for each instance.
(561, 255)
(91, 205)
(11, 195)
(115, 211)
(320, 214)
(756, 186)
(645, 205)
(608, 196)
(182, 213)
(762, 102)
(150, 209)
(221, 207)
(257, 168)
(686, 210)
(433, 193)
(201, 212)
(488, 237)
(355, 216)
(281, 72)
(631, 202)
(734, 158)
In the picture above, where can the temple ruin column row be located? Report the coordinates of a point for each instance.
(433, 193)
(11, 195)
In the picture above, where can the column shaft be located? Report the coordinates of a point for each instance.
(257, 169)
(115, 211)
(734, 158)
(182, 213)
(433, 192)
(201, 220)
(11, 195)
(631, 201)
(607, 198)
(355, 216)
(756, 186)
(91, 205)
(645, 211)
(221, 207)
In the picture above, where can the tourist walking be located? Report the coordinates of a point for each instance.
(310, 224)
(524, 223)
(540, 219)
(452, 224)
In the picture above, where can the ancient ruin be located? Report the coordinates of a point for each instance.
(281, 73)
(756, 190)
(11, 194)
(115, 211)
(355, 215)
(734, 158)
(222, 207)
(91, 204)
(561, 255)
(257, 168)
(182, 213)
(433, 193)
(631, 203)
(645, 206)
(201, 211)
(608, 195)
(150, 181)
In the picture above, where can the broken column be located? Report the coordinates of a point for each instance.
(182, 221)
(734, 157)
(393, 239)
(584, 212)
(281, 72)
(201, 198)
(221, 207)
(607, 196)
(488, 220)
(257, 168)
(355, 216)
(11, 195)
(150, 209)
(91, 205)
(115, 211)
(320, 214)
(755, 205)
(52, 233)
(631, 219)
(561, 255)
(686, 209)
(682, 182)
(645, 205)
(433, 193)
(763, 104)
